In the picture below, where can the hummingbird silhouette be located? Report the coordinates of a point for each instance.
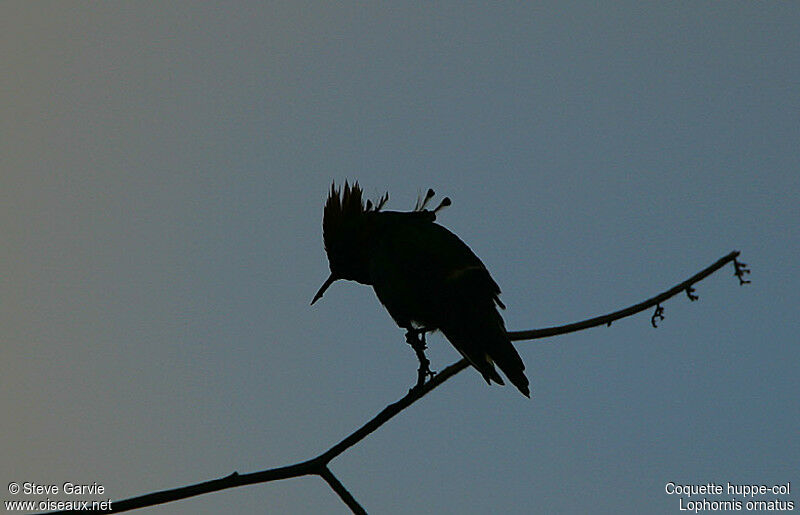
(424, 275)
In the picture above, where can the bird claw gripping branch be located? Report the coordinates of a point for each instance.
(416, 338)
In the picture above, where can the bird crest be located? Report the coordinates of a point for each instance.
(347, 224)
(344, 212)
(422, 202)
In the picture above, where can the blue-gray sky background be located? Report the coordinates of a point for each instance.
(163, 169)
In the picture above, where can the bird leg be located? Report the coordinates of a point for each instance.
(416, 338)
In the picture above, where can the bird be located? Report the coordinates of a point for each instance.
(424, 275)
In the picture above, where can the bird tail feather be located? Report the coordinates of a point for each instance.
(484, 347)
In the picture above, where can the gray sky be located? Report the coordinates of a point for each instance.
(163, 176)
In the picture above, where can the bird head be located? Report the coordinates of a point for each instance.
(347, 225)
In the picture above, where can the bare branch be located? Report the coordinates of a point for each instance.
(319, 465)
(314, 466)
(636, 308)
(341, 491)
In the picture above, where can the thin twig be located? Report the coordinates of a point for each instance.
(636, 308)
(319, 465)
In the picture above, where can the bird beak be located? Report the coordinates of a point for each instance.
(324, 287)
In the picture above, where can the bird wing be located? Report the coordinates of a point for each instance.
(424, 273)
(414, 260)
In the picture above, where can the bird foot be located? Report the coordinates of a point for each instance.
(416, 338)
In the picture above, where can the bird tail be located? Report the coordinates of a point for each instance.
(485, 344)
(512, 366)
